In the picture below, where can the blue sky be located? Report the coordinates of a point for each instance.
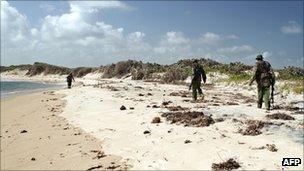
(98, 33)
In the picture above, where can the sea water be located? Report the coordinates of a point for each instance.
(10, 88)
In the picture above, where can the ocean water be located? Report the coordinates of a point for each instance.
(10, 88)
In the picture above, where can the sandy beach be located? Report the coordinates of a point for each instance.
(112, 119)
(34, 137)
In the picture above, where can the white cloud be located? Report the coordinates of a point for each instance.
(232, 36)
(136, 36)
(236, 49)
(94, 6)
(210, 38)
(292, 28)
(80, 34)
(173, 37)
(173, 42)
(14, 25)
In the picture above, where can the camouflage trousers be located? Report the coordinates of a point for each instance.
(263, 95)
(196, 87)
(69, 84)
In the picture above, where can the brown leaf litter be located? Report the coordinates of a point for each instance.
(226, 166)
(282, 116)
(156, 120)
(196, 119)
(253, 127)
(176, 108)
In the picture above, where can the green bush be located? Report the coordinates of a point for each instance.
(239, 77)
(291, 73)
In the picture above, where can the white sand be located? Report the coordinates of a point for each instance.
(97, 111)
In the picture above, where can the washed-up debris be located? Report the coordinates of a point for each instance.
(226, 166)
(174, 94)
(111, 88)
(187, 141)
(165, 103)
(291, 108)
(219, 119)
(131, 108)
(215, 104)
(33, 159)
(176, 108)
(149, 94)
(95, 167)
(138, 87)
(147, 132)
(271, 147)
(249, 100)
(253, 127)
(155, 106)
(99, 154)
(196, 119)
(282, 116)
(23, 131)
(232, 103)
(113, 167)
(299, 112)
(186, 100)
(156, 120)
(123, 107)
(140, 94)
(180, 93)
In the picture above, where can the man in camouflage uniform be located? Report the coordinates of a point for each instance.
(70, 77)
(264, 77)
(198, 74)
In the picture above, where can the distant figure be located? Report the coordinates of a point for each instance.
(69, 80)
(198, 73)
(264, 77)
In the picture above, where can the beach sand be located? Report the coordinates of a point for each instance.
(33, 137)
(94, 106)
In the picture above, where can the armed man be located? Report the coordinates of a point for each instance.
(198, 74)
(70, 77)
(264, 77)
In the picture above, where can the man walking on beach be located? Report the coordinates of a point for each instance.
(69, 80)
(198, 73)
(264, 77)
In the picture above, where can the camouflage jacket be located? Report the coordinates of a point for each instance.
(263, 74)
(198, 74)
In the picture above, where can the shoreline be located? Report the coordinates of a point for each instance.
(52, 86)
(34, 136)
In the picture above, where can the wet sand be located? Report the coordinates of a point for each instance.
(33, 136)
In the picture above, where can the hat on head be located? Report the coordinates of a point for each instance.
(259, 57)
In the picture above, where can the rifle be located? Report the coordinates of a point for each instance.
(190, 86)
(272, 99)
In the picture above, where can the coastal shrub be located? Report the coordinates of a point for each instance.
(175, 74)
(43, 68)
(120, 69)
(82, 71)
(12, 67)
(298, 89)
(108, 71)
(291, 73)
(239, 77)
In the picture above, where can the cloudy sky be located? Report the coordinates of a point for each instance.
(94, 33)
